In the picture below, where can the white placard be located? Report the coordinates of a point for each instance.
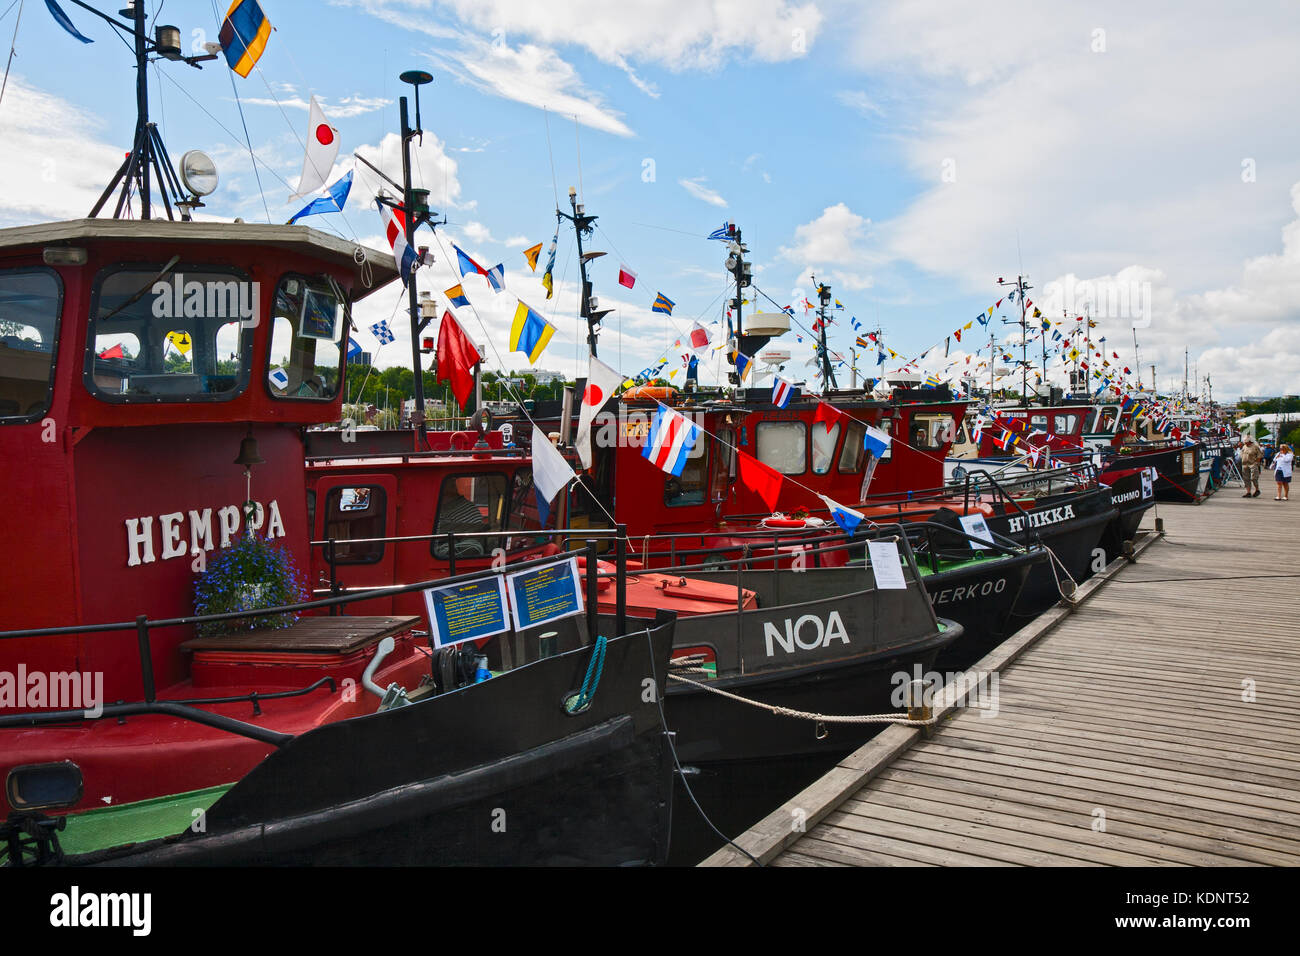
(1148, 483)
(975, 526)
(887, 565)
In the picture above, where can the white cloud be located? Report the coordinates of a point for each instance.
(477, 233)
(859, 102)
(345, 108)
(833, 246)
(702, 192)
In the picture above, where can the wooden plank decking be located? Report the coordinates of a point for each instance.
(1127, 713)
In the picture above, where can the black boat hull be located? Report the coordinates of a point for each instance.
(980, 597)
(1127, 495)
(497, 773)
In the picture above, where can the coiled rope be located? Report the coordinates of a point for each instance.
(595, 668)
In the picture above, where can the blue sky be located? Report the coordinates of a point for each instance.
(908, 153)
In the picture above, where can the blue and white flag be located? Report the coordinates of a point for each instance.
(333, 201)
(354, 349)
(672, 436)
(876, 441)
(279, 378)
(846, 518)
(782, 391)
(404, 256)
(721, 233)
(382, 332)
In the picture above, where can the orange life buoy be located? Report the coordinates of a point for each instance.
(779, 520)
(657, 393)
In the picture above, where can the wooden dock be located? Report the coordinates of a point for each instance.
(1157, 723)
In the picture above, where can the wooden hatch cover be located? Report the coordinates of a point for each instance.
(313, 635)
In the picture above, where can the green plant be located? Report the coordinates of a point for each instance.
(249, 575)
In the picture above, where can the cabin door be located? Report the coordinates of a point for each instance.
(350, 510)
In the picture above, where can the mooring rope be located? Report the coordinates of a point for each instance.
(1053, 562)
(808, 715)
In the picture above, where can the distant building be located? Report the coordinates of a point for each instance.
(543, 376)
(361, 358)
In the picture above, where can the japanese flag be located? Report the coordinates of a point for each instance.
(601, 383)
(322, 150)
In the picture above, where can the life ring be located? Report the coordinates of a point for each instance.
(780, 521)
(657, 393)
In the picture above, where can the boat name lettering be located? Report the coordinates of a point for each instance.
(172, 534)
(807, 632)
(1039, 519)
(1126, 497)
(967, 591)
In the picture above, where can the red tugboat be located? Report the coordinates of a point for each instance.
(156, 381)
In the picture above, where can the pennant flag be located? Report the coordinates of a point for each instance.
(381, 331)
(495, 275)
(957, 335)
(279, 378)
(759, 478)
(62, 20)
(181, 340)
(626, 277)
(456, 358)
(115, 351)
(663, 304)
(354, 349)
(699, 336)
(243, 35)
(880, 358)
(828, 413)
(406, 258)
(530, 333)
(672, 436)
(532, 255)
(846, 518)
(333, 201)
(839, 304)
(456, 296)
(982, 319)
(551, 473)
(322, 150)
(548, 278)
(876, 441)
(782, 392)
(723, 233)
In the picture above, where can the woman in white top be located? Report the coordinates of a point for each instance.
(1282, 462)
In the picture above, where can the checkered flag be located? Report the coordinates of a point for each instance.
(382, 332)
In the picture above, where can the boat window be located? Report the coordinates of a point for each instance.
(353, 512)
(783, 446)
(183, 337)
(823, 447)
(691, 487)
(30, 303)
(306, 331)
(1064, 424)
(929, 433)
(480, 504)
(853, 453)
(724, 461)
(1038, 421)
(1107, 421)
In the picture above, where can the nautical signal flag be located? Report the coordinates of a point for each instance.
(782, 392)
(531, 255)
(334, 200)
(243, 35)
(626, 277)
(723, 233)
(62, 20)
(530, 333)
(876, 441)
(181, 340)
(551, 473)
(743, 365)
(381, 331)
(456, 358)
(764, 480)
(456, 296)
(672, 436)
(322, 150)
(279, 378)
(601, 383)
(495, 275)
(846, 518)
(699, 336)
(354, 349)
(113, 351)
(548, 278)
(406, 258)
(663, 304)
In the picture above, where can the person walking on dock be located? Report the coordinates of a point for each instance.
(1251, 456)
(1282, 462)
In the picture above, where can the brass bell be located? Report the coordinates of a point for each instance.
(248, 454)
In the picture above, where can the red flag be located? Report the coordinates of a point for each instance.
(456, 358)
(759, 478)
(827, 413)
(626, 277)
(114, 352)
(957, 335)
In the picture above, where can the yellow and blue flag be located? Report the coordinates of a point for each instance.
(456, 296)
(530, 333)
(243, 35)
(663, 304)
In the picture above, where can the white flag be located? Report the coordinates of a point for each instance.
(322, 150)
(601, 382)
(551, 473)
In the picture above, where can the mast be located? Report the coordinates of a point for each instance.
(823, 300)
(1021, 288)
(582, 226)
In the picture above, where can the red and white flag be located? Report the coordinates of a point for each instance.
(601, 382)
(699, 337)
(322, 150)
(626, 277)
